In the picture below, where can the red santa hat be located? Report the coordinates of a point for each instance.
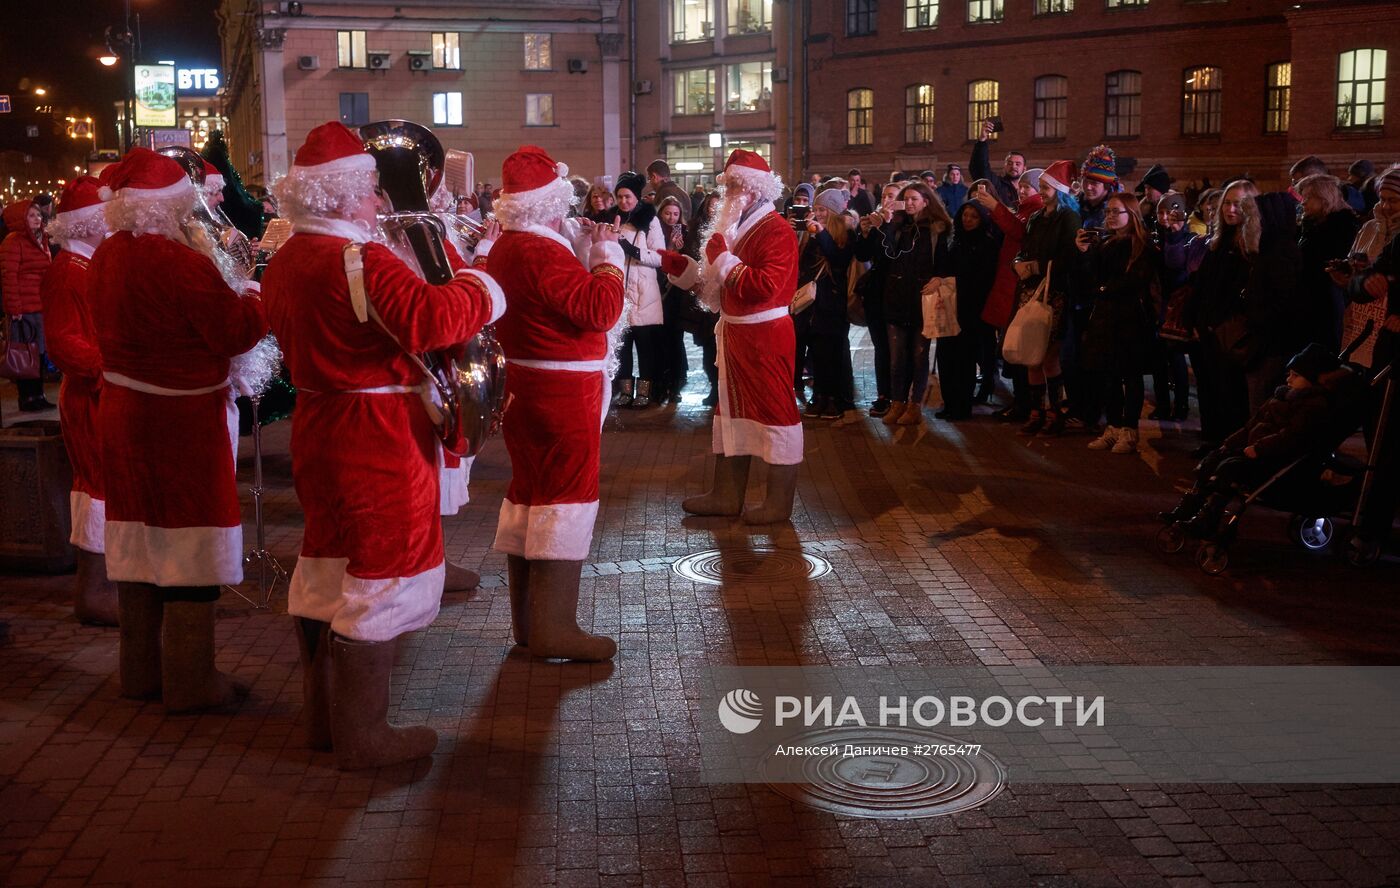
(530, 173)
(751, 169)
(213, 179)
(145, 175)
(331, 148)
(1059, 175)
(80, 197)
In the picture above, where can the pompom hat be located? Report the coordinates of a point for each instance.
(530, 169)
(146, 175)
(1101, 166)
(1059, 175)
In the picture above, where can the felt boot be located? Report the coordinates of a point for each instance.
(314, 640)
(727, 495)
(95, 596)
(777, 499)
(189, 681)
(360, 726)
(518, 575)
(554, 629)
(140, 608)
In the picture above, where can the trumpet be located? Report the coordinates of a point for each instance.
(469, 380)
(209, 230)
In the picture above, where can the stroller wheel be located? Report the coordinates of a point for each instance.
(1315, 533)
(1363, 553)
(1172, 538)
(1212, 558)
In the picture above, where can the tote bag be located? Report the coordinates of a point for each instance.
(1029, 334)
(940, 297)
(21, 358)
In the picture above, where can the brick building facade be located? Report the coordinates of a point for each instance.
(1208, 88)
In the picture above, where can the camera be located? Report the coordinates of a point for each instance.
(797, 216)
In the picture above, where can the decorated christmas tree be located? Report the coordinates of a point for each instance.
(242, 209)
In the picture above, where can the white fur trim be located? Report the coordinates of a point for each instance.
(175, 189)
(1054, 183)
(214, 182)
(546, 231)
(687, 279)
(105, 193)
(333, 228)
(562, 169)
(80, 215)
(483, 249)
(559, 532)
(534, 193)
(174, 556)
(79, 248)
(364, 609)
(453, 493)
(749, 176)
(724, 263)
(349, 164)
(606, 253)
(89, 522)
(775, 445)
(498, 296)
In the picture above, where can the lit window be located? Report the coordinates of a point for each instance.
(762, 149)
(860, 18)
(750, 16)
(918, 113)
(982, 102)
(692, 20)
(351, 49)
(1125, 4)
(538, 52)
(1361, 88)
(750, 87)
(1053, 7)
(920, 13)
(1122, 110)
(447, 109)
(1051, 106)
(695, 91)
(860, 117)
(984, 11)
(539, 109)
(1277, 97)
(447, 51)
(1200, 102)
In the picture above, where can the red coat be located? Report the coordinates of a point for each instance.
(1001, 301)
(23, 262)
(365, 463)
(555, 336)
(72, 345)
(757, 413)
(167, 325)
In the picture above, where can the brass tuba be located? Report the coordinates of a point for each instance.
(470, 378)
(232, 244)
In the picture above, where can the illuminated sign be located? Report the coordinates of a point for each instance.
(197, 81)
(155, 95)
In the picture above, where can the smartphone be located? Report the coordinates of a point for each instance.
(1094, 234)
(996, 124)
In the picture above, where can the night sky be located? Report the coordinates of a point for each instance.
(55, 43)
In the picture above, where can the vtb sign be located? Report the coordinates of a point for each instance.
(197, 80)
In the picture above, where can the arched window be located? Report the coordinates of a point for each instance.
(1200, 102)
(1361, 88)
(860, 116)
(982, 102)
(1122, 104)
(1051, 106)
(918, 113)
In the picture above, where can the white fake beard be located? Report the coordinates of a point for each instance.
(725, 223)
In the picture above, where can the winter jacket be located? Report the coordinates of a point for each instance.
(953, 196)
(642, 230)
(1272, 300)
(23, 262)
(1322, 241)
(1387, 344)
(1050, 238)
(974, 256)
(1286, 426)
(1001, 301)
(671, 189)
(1092, 216)
(862, 202)
(827, 264)
(981, 168)
(914, 254)
(1118, 338)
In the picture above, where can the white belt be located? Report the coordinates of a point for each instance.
(573, 366)
(376, 390)
(771, 314)
(138, 386)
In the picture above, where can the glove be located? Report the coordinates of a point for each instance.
(673, 263)
(714, 247)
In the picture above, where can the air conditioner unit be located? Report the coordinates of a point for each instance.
(378, 60)
(641, 88)
(780, 75)
(578, 66)
(308, 62)
(419, 60)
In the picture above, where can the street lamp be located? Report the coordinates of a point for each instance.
(107, 60)
(40, 91)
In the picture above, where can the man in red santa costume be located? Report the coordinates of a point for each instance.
(750, 275)
(213, 187)
(555, 335)
(167, 325)
(79, 227)
(347, 311)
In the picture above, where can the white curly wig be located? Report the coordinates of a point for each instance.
(540, 206)
(78, 224)
(140, 214)
(765, 187)
(302, 196)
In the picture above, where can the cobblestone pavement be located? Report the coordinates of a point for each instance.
(950, 545)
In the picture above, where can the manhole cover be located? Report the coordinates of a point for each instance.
(760, 564)
(894, 787)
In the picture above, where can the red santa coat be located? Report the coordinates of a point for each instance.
(167, 325)
(555, 337)
(72, 345)
(756, 344)
(364, 453)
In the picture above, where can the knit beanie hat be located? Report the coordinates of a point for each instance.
(1158, 178)
(1172, 202)
(1313, 361)
(1388, 182)
(633, 182)
(807, 189)
(1101, 166)
(834, 199)
(1032, 177)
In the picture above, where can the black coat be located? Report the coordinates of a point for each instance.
(913, 255)
(1119, 337)
(827, 264)
(974, 259)
(1320, 242)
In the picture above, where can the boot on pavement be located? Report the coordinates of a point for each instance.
(360, 728)
(553, 620)
(140, 608)
(314, 640)
(727, 495)
(95, 596)
(189, 681)
(777, 499)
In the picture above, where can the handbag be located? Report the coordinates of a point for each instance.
(1175, 327)
(21, 359)
(940, 296)
(1028, 336)
(855, 303)
(1234, 340)
(807, 293)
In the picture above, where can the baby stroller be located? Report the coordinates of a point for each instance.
(1319, 488)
